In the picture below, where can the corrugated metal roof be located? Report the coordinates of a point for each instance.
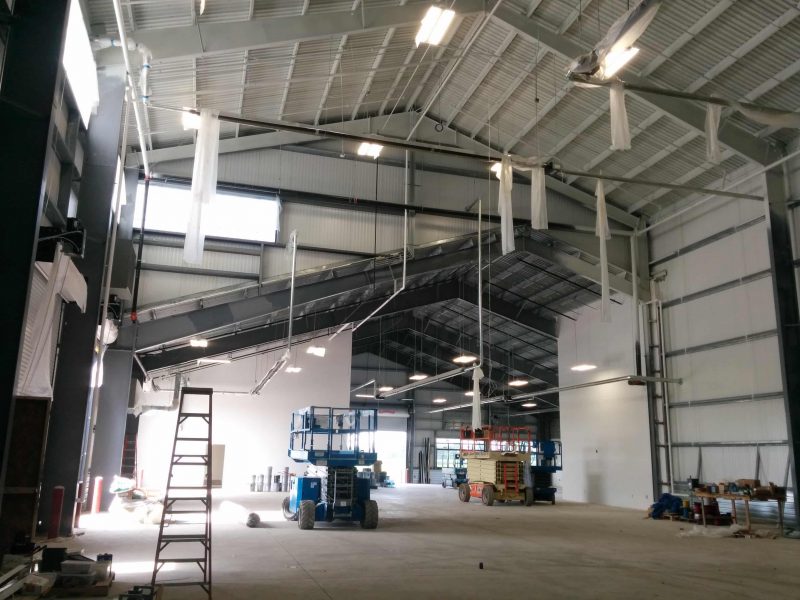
(735, 49)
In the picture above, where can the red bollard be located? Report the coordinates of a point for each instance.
(97, 494)
(56, 506)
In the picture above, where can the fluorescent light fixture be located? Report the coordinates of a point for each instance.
(198, 343)
(518, 382)
(79, 64)
(293, 369)
(583, 367)
(439, 400)
(434, 26)
(365, 396)
(496, 169)
(464, 359)
(470, 394)
(616, 59)
(190, 120)
(316, 351)
(385, 388)
(369, 149)
(213, 361)
(418, 377)
(529, 405)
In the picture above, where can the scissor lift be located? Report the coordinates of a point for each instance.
(498, 461)
(333, 441)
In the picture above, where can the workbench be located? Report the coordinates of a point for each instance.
(733, 498)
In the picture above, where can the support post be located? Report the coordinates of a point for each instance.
(30, 77)
(66, 439)
(786, 311)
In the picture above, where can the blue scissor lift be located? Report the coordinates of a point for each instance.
(545, 462)
(335, 441)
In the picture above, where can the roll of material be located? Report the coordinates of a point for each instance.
(268, 487)
(285, 486)
(260, 484)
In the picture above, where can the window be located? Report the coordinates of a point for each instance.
(447, 449)
(232, 216)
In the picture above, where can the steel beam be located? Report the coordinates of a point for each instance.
(206, 38)
(745, 144)
(308, 323)
(30, 74)
(511, 312)
(786, 310)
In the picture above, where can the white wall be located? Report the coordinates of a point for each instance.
(722, 242)
(604, 429)
(254, 429)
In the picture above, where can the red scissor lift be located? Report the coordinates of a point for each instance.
(498, 460)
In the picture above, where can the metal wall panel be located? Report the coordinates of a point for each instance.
(430, 228)
(156, 286)
(719, 243)
(223, 261)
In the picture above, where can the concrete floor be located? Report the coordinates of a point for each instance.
(429, 545)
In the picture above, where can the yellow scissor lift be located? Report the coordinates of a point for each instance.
(498, 464)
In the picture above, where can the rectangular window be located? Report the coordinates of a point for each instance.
(230, 215)
(447, 450)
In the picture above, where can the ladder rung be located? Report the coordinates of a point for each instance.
(181, 560)
(187, 487)
(185, 512)
(191, 456)
(192, 439)
(184, 537)
(203, 584)
(195, 498)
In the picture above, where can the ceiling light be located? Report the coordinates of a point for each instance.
(198, 343)
(470, 394)
(369, 149)
(529, 405)
(213, 361)
(293, 369)
(418, 377)
(316, 351)
(370, 396)
(496, 169)
(463, 359)
(79, 64)
(385, 388)
(583, 367)
(616, 59)
(518, 382)
(434, 26)
(202, 6)
(439, 400)
(190, 120)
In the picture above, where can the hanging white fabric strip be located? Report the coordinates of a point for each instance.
(538, 199)
(713, 112)
(504, 206)
(204, 184)
(620, 132)
(36, 380)
(602, 231)
(477, 375)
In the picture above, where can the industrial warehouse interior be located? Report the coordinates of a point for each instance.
(357, 299)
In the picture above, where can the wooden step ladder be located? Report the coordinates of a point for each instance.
(183, 541)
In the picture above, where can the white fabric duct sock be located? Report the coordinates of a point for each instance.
(713, 112)
(538, 199)
(204, 185)
(504, 206)
(602, 231)
(477, 375)
(620, 132)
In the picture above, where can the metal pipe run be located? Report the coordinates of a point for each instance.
(633, 379)
(123, 38)
(713, 194)
(274, 124)
(491, 400)
(660, 184)
(427, 381)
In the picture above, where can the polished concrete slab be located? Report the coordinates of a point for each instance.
(430, 545)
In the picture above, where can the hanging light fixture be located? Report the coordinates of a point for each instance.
(316, 351)
(385, 388)
(418, 377)
(464, 359)
(213, 361)
(293, 369)
(583, 367)
(439, 400)
(529, 405)
(198, 343)
(370, 149)
(434, 26)
(518, 382)
(470, 394)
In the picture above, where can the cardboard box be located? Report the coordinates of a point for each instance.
(751, 483)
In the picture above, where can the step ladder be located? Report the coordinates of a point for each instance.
(184, 536)
(128, 468)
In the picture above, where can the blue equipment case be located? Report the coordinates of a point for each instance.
(335, 441)
(545, 460)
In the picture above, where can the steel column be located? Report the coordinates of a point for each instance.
(786, 310)
(65, 445)
(30, 75)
